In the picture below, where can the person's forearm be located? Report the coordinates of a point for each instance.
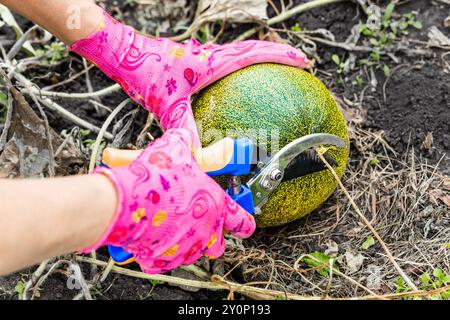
(40, 219)
(68, 20)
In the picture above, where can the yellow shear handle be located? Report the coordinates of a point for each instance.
(211, 158)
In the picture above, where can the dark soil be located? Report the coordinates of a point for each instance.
(417, 102)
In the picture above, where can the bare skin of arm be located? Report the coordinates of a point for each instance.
(60, 17)
(44, 218)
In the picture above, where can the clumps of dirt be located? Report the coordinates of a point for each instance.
(417, 104)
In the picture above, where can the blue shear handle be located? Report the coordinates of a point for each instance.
(119, 255)
(241, 161)
(240, 164)
(244, 198)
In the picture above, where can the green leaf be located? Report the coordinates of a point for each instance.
(408, 16)
(425, 278)
(20, 288)
(394, 29)
(336, 59)
(400, 285)
(383, 38)
(439, 274)
(388, 12)
(321, 259)
(364, 29)
(156, 282)
(3, 99)
(296, 28)
(417, 24)
(445, 295)
(376, 55)
(84, 132)
(370, 241)
(403, 25)
(374, 42)
(386, 70)
(436, 296)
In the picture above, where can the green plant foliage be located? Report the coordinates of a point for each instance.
(203, 34)
(154, 283)
(338, 62)
(381, 37)
(3, 106)
(370, 241)
(437, 280)
(53, 53)
(87, 142)
(20, 288)
(296, 28)
(318, 259)
(359, 81)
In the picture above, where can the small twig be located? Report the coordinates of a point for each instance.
(330, 279)
(72, 78)
(20, 42)
(343, 275)
(89, 87)
(73, 118)
(57, 108)
(75, 96)
(142, 138)
(35, 277)
(45, 276)
(217, 282)
(75, 268)
(416, 293)
(100, 105)
(341, 45)
(81, 294)
(199, 272)
(374, 232)
(93, 255)
(107, 270)
(102, 132)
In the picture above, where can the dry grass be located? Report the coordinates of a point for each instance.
(395, 194)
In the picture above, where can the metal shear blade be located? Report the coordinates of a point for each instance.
(272, 174)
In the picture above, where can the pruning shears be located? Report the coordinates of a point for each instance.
(239, 157)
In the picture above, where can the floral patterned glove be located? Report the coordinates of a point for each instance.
(162, 75)
(170, 212)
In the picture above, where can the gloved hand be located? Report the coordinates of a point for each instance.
(169, 211)
(161, 74)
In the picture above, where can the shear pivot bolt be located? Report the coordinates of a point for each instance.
(266, 185)
(260, 165)
(276, 175)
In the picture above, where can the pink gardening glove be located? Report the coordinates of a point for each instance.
(170, 212)
(162, 75)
